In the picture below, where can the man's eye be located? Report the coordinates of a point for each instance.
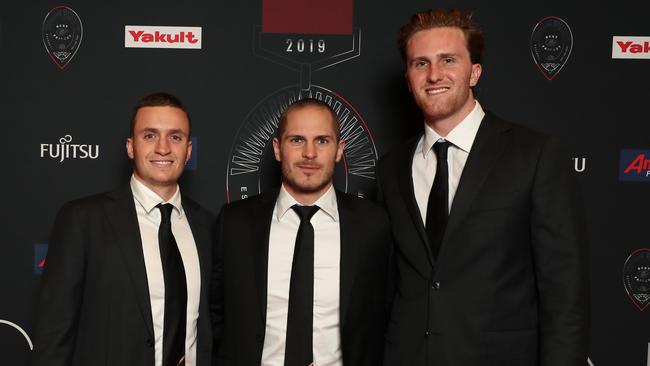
(322, 141)
(176, 138)
(448, 60)
(149, 136)
(420, 64)
(295, 140)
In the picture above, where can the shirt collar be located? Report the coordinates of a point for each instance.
(462, 136)
(326, 202)
(149, 199)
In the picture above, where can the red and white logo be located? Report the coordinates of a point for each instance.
(630, 47)
(142, 36)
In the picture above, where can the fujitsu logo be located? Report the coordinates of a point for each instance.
(65, 150)
(579, 164)
(635, 165)
(630, 47)
(140, 36)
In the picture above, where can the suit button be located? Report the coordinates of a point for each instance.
(149, 343)
(435, 285)
(427, 334)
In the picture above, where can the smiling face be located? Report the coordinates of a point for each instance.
(440, 75)
(308, 151)
(160, 147)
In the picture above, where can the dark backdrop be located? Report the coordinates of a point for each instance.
(242, 76)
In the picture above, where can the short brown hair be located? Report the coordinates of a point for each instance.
(307, 102)
(159, 100)
(437, 18)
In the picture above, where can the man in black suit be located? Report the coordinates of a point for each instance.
(292, 290)
(490, 253)
(127, 272)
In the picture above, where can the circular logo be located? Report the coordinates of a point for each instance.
(62, 32)
(252, 167)
(636, 277)
(550, 44)
(20, 330)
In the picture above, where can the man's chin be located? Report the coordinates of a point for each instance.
(307, 186)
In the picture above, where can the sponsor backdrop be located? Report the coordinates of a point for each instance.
(70, 72)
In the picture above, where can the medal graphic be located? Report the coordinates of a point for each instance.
(636, 278)
(62, 33)
(550, 45)
(304, 36)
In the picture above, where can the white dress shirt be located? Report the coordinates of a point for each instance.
(327, 254)
(149, 221)
(424, 159)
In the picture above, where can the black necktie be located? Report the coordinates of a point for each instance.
(175, 291)
(299, 344)
(438, 206)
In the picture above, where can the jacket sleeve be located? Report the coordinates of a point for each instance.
(560, 254)
(61, 291)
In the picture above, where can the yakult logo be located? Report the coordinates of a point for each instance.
(630, 47)
(140, 36)
(65, 150)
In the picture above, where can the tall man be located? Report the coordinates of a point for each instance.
(300, 271)
(127, 271)
(490, 246)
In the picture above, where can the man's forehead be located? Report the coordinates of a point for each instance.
(317, 118)
(437, 36)
(161, 118)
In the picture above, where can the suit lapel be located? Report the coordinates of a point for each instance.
(124, 222)
(488, 146)
(351, 233)
(260, 240)
(405, 178)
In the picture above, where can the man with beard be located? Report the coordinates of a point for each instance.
(300, 272)
(490, 247)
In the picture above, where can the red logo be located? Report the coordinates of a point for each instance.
(639, 164)
(182, 37)
(630, 47)
(162, 37)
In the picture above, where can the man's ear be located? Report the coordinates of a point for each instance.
(475, 75)
(276, 149)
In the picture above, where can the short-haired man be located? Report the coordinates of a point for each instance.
(127, 271)
(490, 246)
(301, 271)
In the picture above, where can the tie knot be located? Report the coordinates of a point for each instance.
(440, 148)
(165, 210)
(305, 212)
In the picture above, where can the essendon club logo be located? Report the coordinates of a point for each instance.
(141, 36)
(62, 32)
(550, 45)
(630, 47)
(636, 277)
(40, 252)
(634, 165)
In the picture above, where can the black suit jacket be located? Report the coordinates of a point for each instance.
(94, 306)
(240, 279)
(510, 284)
